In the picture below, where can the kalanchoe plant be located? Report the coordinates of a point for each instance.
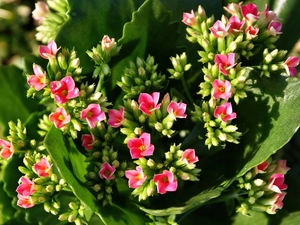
(139, 131)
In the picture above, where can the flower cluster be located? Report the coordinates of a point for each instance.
(225, 43)
(264, 186)
(141, 131)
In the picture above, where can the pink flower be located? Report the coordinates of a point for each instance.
(26, 188)
(251, 32)
(48, 51)
(25, 201)
(233, 8)
(235, 24)
(7, 149)
(88, 140)
(115, 117)
(224, 112)
(250, 12)
(108, 43)
(261, 168)
(225, 62)
(148, 103)
(136, 177)
(107, 171)
(40, 11)
(189, 18)
(276, 183)
(269, 15)
(60, 118)
(221, 89)
(42, 168)
(38, 80)
(165, 182)
(290, 65)
(189, 156)
(219, 29)
(281, 167)
(92, 114)
(277, 202)
(274, 28)
(140, 147)
(177, 110)
(64, 89)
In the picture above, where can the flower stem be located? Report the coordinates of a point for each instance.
(186, 88)
(100, 84)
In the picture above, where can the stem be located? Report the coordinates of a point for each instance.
(100, 84)
(185, 86)
(230, 195)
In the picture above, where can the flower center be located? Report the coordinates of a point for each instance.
(107, 172)
(164, 179)
(61, 117)
(142, 148)
(222, 89)
(64, 93)
(89, 114)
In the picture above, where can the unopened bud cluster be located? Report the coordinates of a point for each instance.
(75, 214)
(141, 76)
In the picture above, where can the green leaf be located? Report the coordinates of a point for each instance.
(194, 202)
(72, 168)
(149, 32)
(13, 102)
(268, 129)
(6, 210)
(90, 20)
(62, 157)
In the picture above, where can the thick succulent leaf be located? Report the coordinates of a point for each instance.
(268, 121)
(61, 154)
(149, 32)
(6, 210)
(90, 20)
(13, 90)
(66, 157)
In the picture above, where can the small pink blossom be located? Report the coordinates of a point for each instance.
(261, 168)
(140, 147)
(115, 117)
(224, 112)
(274, 28)
(177, 110)
(60, 118)
(165, 182)
(148, 103)
(281, 167)
(42, 168)
(92, 114)
(225, 62)
(7, 149)
(290, 65)
(40, 11)
(250, 12)
(189, 18)
(88, 140)
(189, 156)
(251, 32)
(219, 29)
(38, 80)
(276, 183)
(235, 24)
(64, 89)
(136, 177)
(276, 202)
(48, 51)
(221, 89)
(107, 171)
(233, 8)
(25, 201)
(26, 187)
(269, 15)
(108, 43)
